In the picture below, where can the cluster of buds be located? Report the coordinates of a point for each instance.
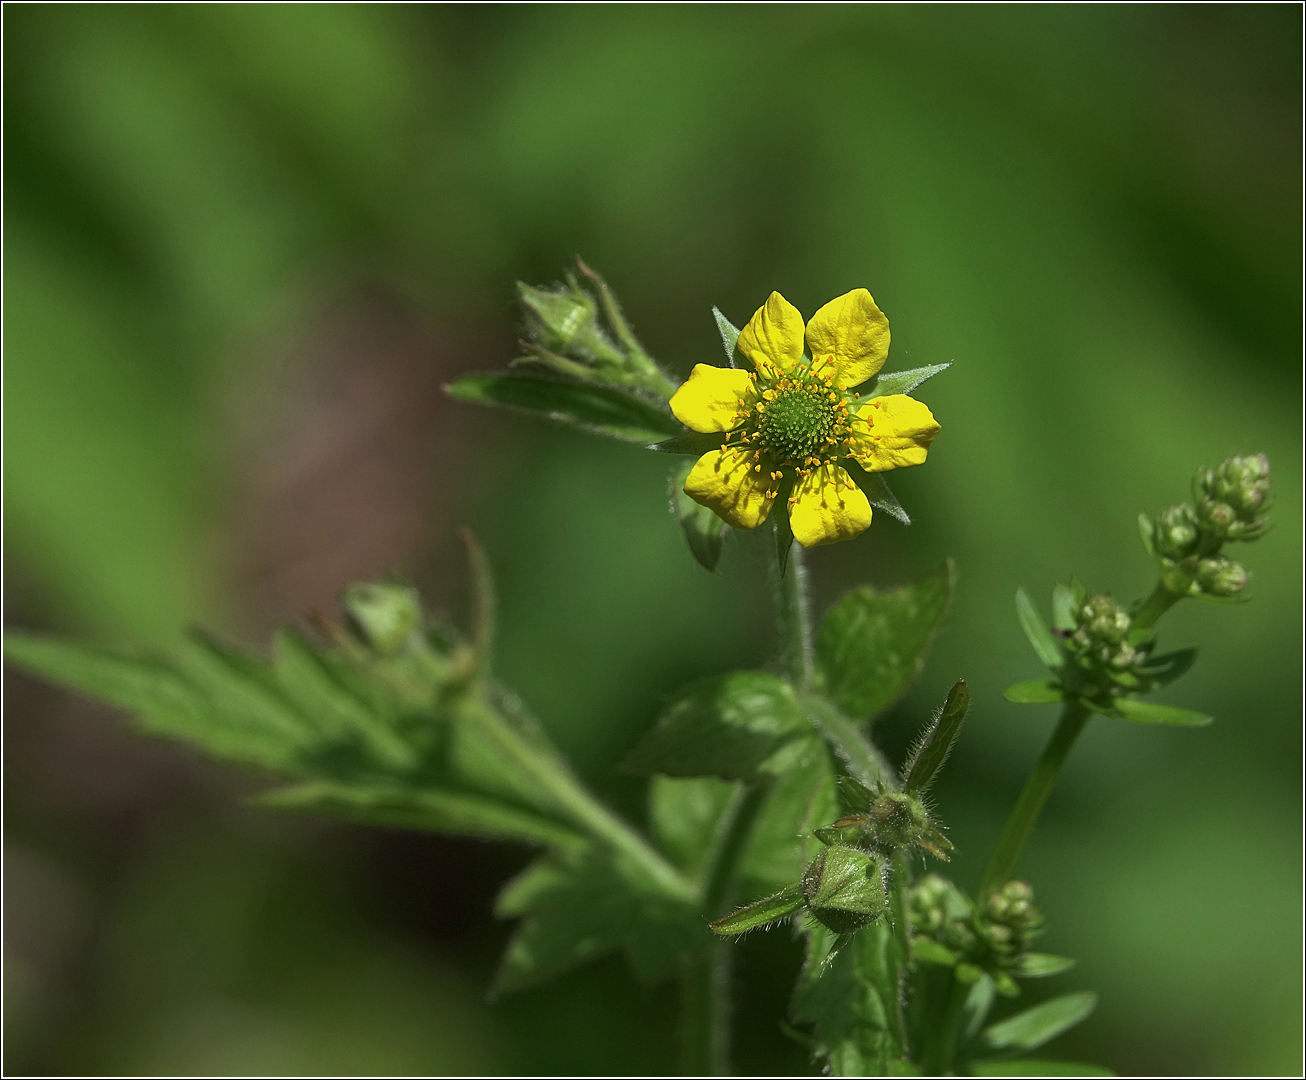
(990, 938)
(1101, 635)
(1230, 502)
(577, 329)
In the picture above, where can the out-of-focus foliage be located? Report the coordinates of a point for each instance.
(1093, 211)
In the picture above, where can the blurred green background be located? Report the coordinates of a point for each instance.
(244, 247)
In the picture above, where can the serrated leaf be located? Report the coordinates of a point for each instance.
(1038, 965)
(937, 742)
(764, 912)
(1033, 1067)
(800, 800)
(702, 529)
(578, 910)
(604, 410)
(1034, 692)
(729, 334)
(724, 726)
(691, 442)
(1042, 1023)
(853, 1000)
(685, 815)
(872, 645)
(1163, 670)
(902, 382)
(1063, 607)
(1147, 712)
(456, 813)
(926, 951)
(1045, 643)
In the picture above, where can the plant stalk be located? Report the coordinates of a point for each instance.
(705, 1013)
(796, 619)
(1037, 788)
(1156, 605)
(941, 1050)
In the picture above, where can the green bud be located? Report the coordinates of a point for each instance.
(1007, 918)
(937, 909)
(383, 616)
(845, 888)
(1220, 577)
(566, 320)
(1175, 534)
(1234, 498)
(898, 819)
(1100, 638)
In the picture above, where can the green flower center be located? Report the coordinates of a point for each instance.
(796, 423)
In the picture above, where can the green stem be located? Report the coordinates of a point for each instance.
(940, 1052)
(1156, 605)
(705, 1013)
(1037, 788)
(864, 760)
(546, 767)
(796, 619)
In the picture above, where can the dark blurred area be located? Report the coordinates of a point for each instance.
(246, 244)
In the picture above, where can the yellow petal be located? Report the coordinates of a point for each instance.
(725, 482)
(710, 399)
(829, 508)
(851, 335)
(774, 335)
(900, 432)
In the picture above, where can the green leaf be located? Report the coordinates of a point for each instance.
(856, 795)
(1033, 1067)
(764, 912)
(1146, 712)
(1037, 965)
(1045, 643)
(430, 810)
(1063, 608)
(902, 382)
(876, 490)
(1033, 1027)
(576, 910)
(872, 645)
(853, 1000)
(702, 528)
(724, 726)
(729, 334)
(936, 743)
(1162, 670)
(1147, 531)
(603, 410)
(1034, 692)
(926, 951)
(691, 442)
(800, 799)
(685, 815)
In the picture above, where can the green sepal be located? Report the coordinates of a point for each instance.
(603, 410)
(1063, 608)
(1044, 641)
(1033, 1067)
(927, 951)
(856, 795)
(704, 531)
(1078, 592)
(1035, 692)
(936, 743)
(729, 334)
(1039, 965)
(1042, 1023)
(451, 812)
(902, 382)
(872, 645)
(877, 492)
(1147, 530)
(726, 726)
(1147, 712)
(1005, 985)
(969, 973)
(764, 912)
(691, 442)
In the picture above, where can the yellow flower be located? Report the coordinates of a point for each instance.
(793, 418)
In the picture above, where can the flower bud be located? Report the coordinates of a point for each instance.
(845, 888)
(384, 616)
(565, 320)
(1175, 534)
(1007, 918)
(898, 819)
(1234, 498)
(1220, 577)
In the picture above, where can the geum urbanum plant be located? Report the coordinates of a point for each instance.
(769, 802)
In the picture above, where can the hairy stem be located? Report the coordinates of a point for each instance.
(1037, 788)
(796, 619)
(547, 768)
(1156, 605)
(705, 1013)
